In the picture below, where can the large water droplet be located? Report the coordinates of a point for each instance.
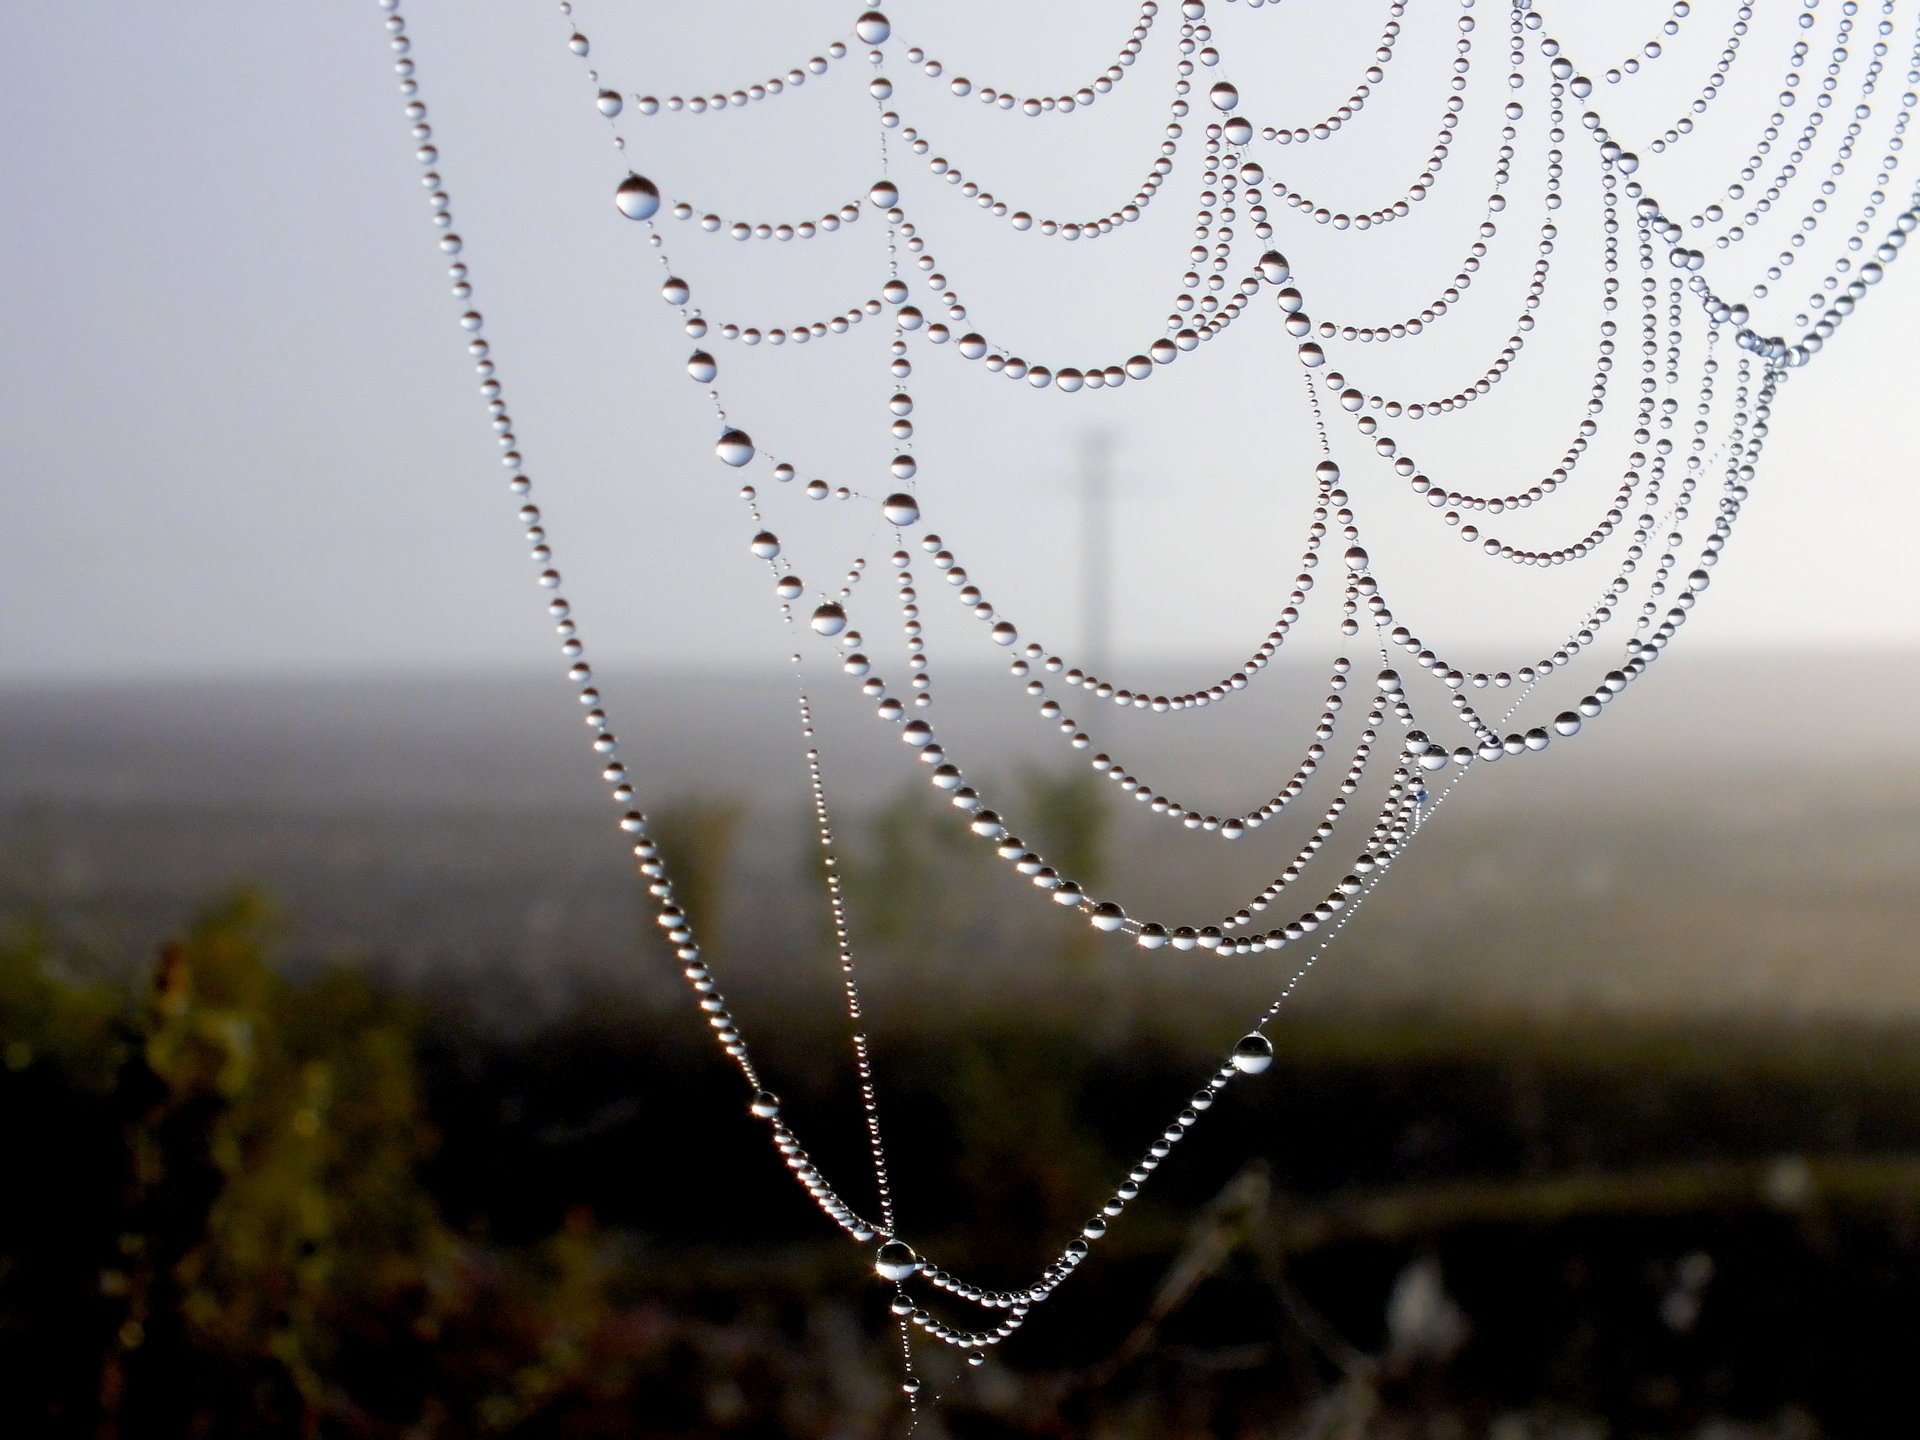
(1356, 558)
(1252, 1054)
(637, 197)
(701, 366)
(829, 619)
(766, 545)
(895, 1260)
(885, 194)
(900, 509)
(1567, 723)
(1274, 268)
(609, 103)
(765, 1104)
(735, 447)
(1224, 96)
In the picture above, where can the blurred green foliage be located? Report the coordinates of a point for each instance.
(697, 835)
(915, 874)
(217, 1224)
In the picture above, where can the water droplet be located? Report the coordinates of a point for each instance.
(885, 194)
(829, 619)
(1252, 1054)
(917, 732)
(609, 103)
(900, 509)
(1274, 268)
(789, 587)
(873, 27)
(895, 1261)
(735, 447)
(1224, 96)
(577, 43)
(1567, 723)
(766, 545)
(675, 291)
(765, 1104)
(1356, 558)
(1107, 916)
(701, 367)
(1312, 356)
(637, 197)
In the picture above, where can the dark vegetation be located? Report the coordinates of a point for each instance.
(237, 1204)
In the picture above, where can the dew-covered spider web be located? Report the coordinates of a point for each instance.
(1596, 240)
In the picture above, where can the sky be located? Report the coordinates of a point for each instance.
(242, 437)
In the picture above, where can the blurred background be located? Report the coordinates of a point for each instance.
(347, 1087)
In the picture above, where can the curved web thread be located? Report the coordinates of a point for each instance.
(1705, 490)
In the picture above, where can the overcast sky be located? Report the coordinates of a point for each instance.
(242, 437)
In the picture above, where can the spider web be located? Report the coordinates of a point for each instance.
(1518, 358)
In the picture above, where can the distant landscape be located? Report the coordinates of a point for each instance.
(367, 1102)
(1743, 835)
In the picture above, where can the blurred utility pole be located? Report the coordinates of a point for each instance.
(1096, 548)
